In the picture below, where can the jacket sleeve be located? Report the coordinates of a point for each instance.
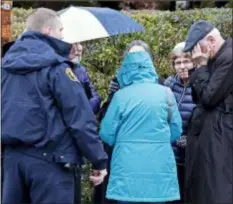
(211, 89)
(77, 114)
(175, 121)
(110, 122)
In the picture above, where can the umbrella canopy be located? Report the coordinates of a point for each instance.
(89, 23)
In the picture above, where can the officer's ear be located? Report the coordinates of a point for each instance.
(46, 30)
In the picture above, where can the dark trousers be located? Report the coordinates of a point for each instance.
(31, 180)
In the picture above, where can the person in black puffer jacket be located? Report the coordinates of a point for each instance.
(179, 84)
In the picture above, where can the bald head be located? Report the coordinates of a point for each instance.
(45, 21)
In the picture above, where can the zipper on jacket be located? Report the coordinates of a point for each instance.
(182, 96)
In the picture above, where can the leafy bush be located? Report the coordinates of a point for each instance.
(229, 4)
(163, 31)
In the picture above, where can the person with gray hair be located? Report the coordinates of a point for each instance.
(138, 43)
(183, 66)
(209, 141)
(47, 123)
(114, 85)
(140, 123)
(99, 191)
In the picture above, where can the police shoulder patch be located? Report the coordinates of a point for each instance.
(71, 74)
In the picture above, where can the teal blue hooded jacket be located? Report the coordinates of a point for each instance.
(143, 166)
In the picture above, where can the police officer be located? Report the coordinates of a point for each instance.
(47, 123)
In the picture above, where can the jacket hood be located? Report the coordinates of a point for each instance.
(137, 67)
(35, 51)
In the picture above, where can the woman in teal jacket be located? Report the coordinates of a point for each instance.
(141, 122)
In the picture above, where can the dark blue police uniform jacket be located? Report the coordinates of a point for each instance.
(43, 103)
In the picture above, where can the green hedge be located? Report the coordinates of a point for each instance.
(163, 31)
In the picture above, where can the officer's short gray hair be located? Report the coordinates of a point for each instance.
(138, 43)
(41, 18)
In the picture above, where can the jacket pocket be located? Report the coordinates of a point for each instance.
(22, 122)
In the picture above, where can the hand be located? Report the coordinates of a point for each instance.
(200, 58)
(182, 141)
(113, 87)
(97, 176)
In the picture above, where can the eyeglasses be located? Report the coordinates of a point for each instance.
(182, 62)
